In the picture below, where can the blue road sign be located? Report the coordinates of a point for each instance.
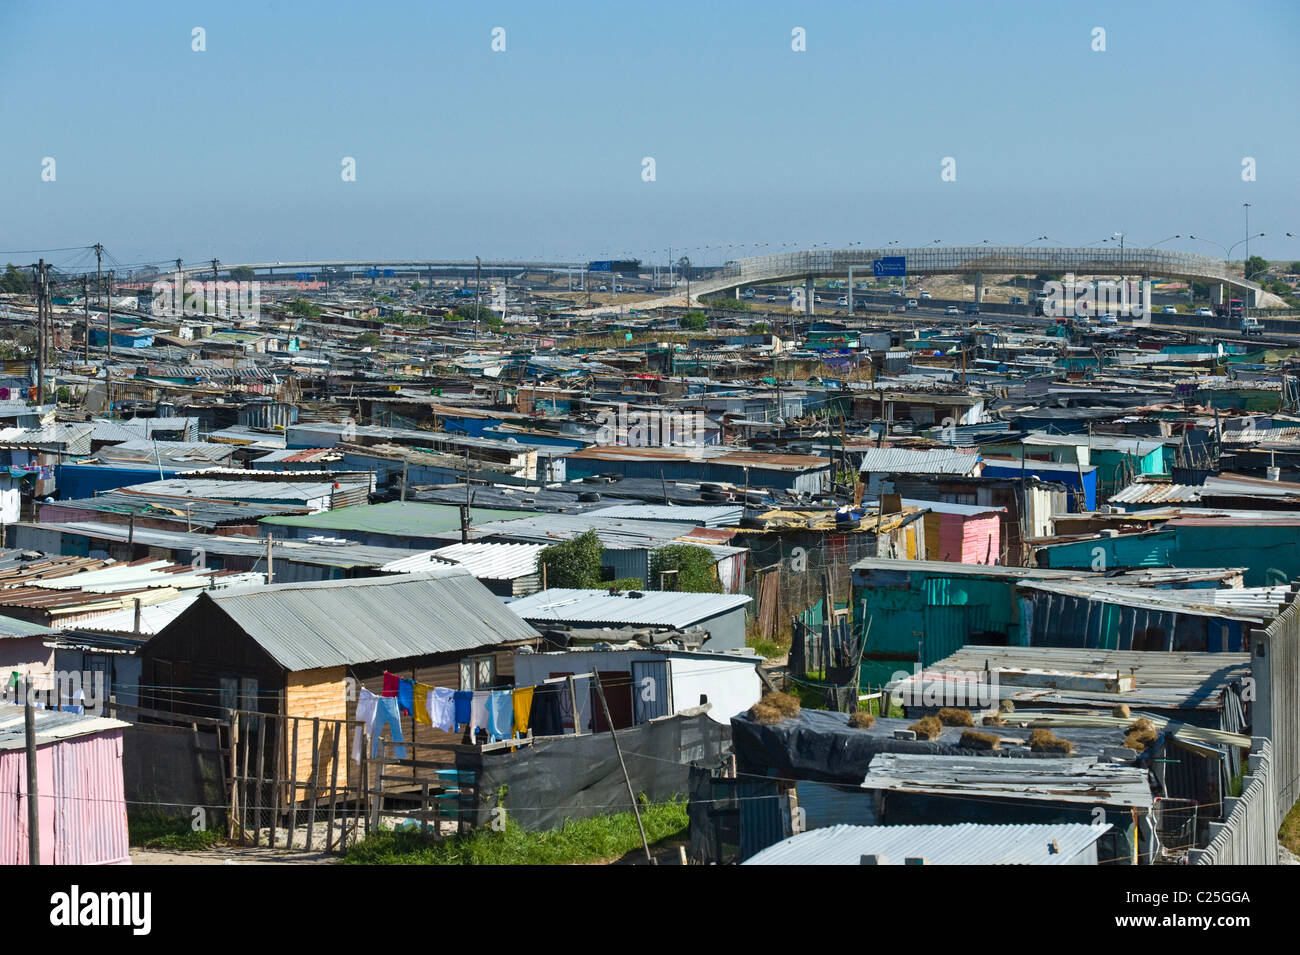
(304, 276)
(889, 265)
(603, 266)
(389, 273)
(372, 273)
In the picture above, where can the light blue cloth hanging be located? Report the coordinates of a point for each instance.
(501, 715)
(386, 712)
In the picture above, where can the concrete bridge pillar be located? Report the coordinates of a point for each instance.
(808, 296)
(850, 295)
(1216, 293)
(979, 287)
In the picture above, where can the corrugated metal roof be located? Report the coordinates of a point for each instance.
(1251, 604)
(963, 844)
(1142, 492)
(1163, 679)
(334, 623)
(51, 725)
(13, 627)
(302, 552)
(910, 461)
(706, 515)
(947, 507)
(655, 608)
(1052, 780)
(408, 518)
(493, 561)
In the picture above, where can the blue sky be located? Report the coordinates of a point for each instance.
(536, 152)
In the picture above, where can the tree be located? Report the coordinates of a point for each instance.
(416, 286)
(760, 328)
(574, 563)
(1293, 267)
(242, 273)
(17, 280)
(368, 340)
(469, 312)
(694, 320)
(696, 571)
(1254, 264)
(304, 309)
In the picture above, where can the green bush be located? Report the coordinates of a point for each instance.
(599, 839)
(157, 830)
(696, 571)
(575, 563)
(694, 320)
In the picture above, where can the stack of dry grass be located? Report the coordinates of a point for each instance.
(773, 708)
(951, 716)
(1121, 710)
(861, 720)
(1007, 706)
(993, 719)
(1141, 734)
(927, 727)
(973, 740)
(1045, 741)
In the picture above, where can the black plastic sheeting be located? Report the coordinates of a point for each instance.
(819, 745)
(576, 777)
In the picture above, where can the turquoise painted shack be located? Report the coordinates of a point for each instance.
(924, 610)
(1267, 548)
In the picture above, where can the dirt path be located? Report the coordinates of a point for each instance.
(230, 855)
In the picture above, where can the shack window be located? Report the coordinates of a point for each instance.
(478, 673)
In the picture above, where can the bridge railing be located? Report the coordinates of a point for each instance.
(992, 259)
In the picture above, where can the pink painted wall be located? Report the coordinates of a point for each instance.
(981, 540)
(81, 802)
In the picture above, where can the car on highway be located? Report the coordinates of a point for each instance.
(973, 308)
(926, 295)
(911, 303)
(1169, 310)
(771, 298)
(1251, 326)
(898, 292)
(1108, 320)
(952, 310)
(1205, 313)
(900, 308)
(842, 300)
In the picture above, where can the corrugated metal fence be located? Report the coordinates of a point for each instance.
(1248, 834)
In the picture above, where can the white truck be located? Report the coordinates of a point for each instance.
(1251, 326)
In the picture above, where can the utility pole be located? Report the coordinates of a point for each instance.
(108, 361)
(40, 331)
(33, 797)
(478, 292)
(85, 300)
(220, 298)
(99, 273)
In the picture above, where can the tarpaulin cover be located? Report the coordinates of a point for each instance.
(576, 777)
(819, 745)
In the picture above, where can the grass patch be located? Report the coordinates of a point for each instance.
(599, 839)
(1289, 833)
(159, 831)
